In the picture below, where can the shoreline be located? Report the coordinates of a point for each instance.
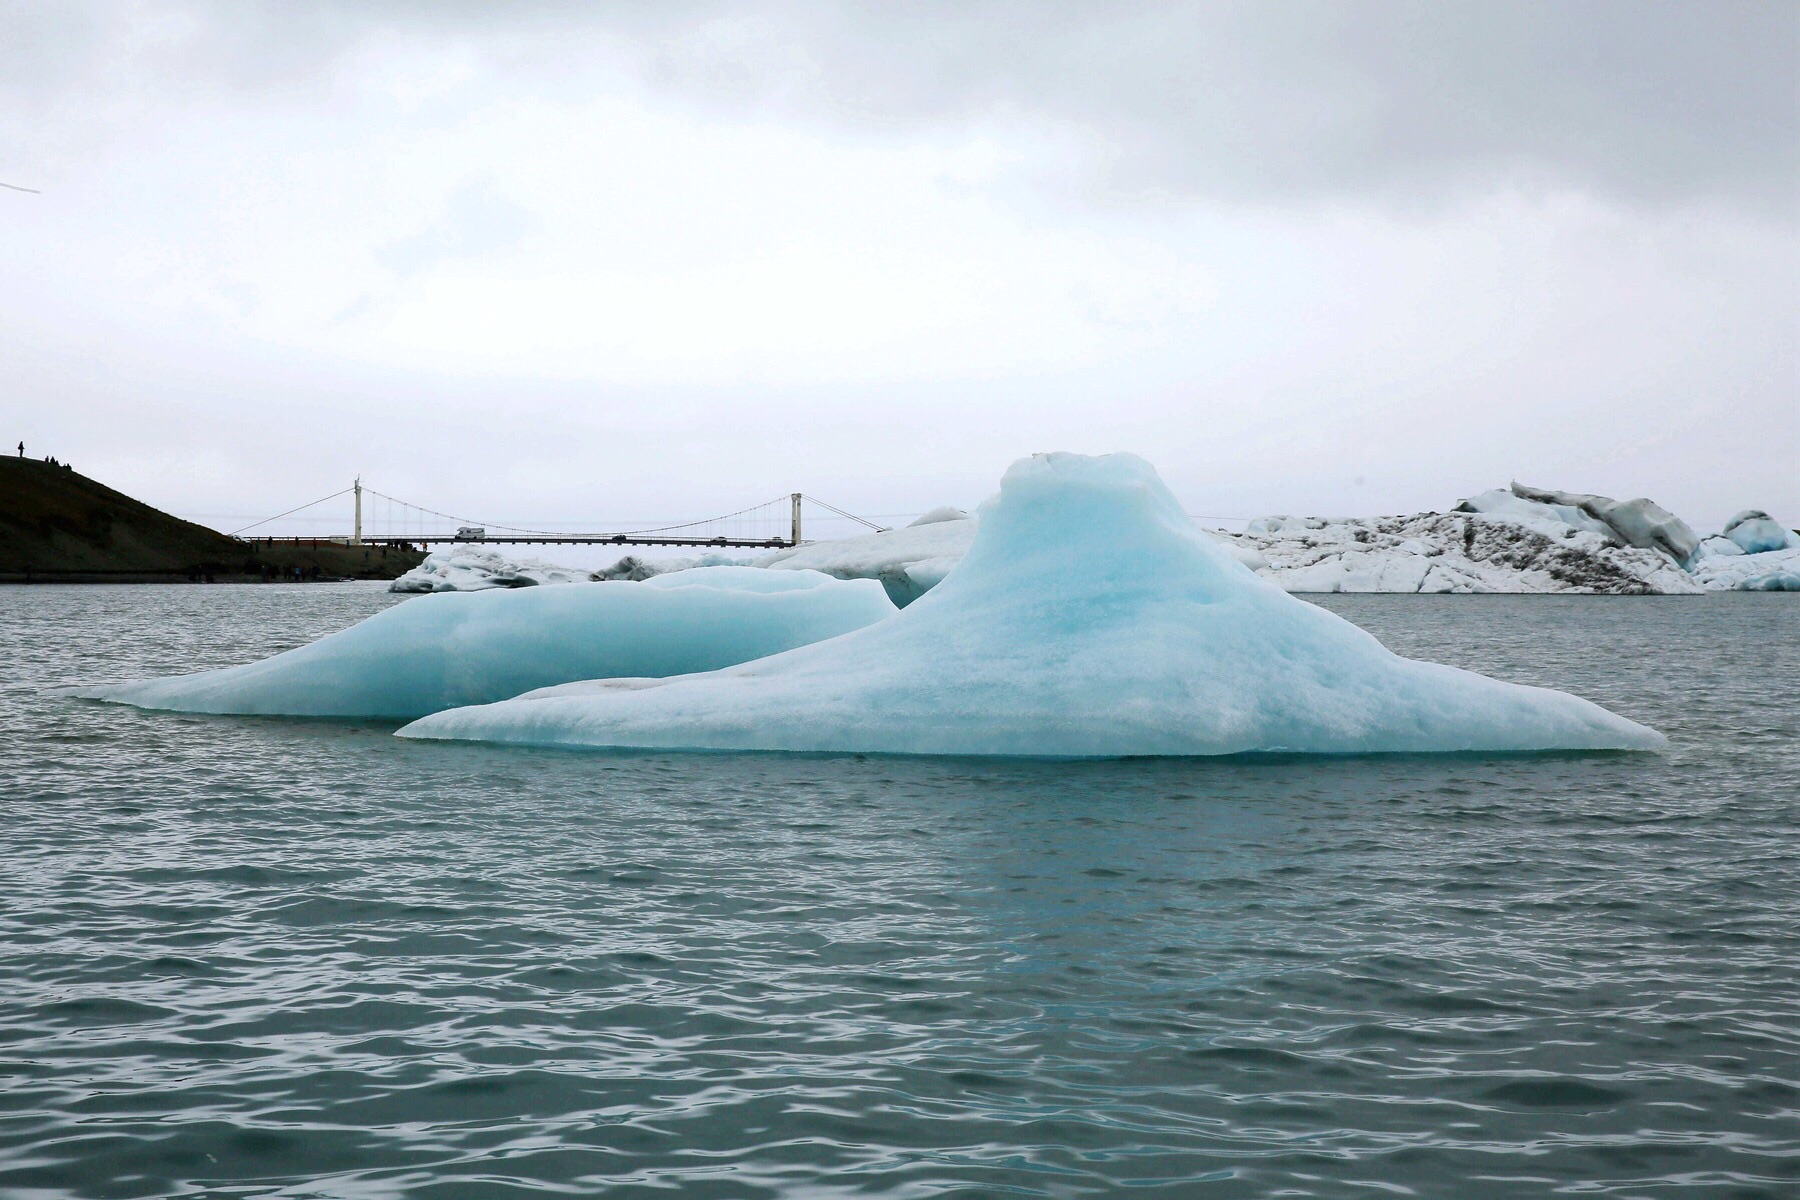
(103, 578)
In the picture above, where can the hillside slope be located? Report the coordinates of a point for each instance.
(57, 524)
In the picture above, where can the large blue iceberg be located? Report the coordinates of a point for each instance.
(460, 648)
(1089, 618)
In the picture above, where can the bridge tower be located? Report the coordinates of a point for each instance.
(356, 534)
(796, 530)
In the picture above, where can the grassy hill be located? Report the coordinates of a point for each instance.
(57, 525)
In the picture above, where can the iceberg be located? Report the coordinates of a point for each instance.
(636, 569)
(442, 651)
(1089, 618)
(1754, 553)
(472, 569)
(1553, 520)
(1756, 532)
(1495, 542)
(1642, 523)
(908, 562)
(1763, 571)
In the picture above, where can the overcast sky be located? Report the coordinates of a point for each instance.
(573, 261)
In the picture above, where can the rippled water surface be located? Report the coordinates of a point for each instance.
(306, 959)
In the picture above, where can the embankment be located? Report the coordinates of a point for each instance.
(58, 526)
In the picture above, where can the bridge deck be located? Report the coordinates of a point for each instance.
(598, 539)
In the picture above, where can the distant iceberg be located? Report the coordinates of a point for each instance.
(909, 562)
(1762, 571)
(466, 568)
(636, 569)
(1088, 618)
(1497, 542)
(1755, 532)
(1642, 522)
(438, 652)
(1753, 553)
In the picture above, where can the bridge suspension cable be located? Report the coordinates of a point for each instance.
(772, 523)
(641, 532)
(852, 516)
(708, 521)
(452, 517)
(290, 512)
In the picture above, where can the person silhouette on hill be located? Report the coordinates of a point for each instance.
(21, 449)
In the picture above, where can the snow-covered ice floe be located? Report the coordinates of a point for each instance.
(1088, 618)
(473, 569)
(909, 562)
(437, 652)
(1529, 540)
(1753, 553)
(1496, 548)
(1764, 571)
(1642, 522)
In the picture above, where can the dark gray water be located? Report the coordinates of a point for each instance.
(278, 958)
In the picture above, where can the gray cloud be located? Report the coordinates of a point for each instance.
(1406, 101)
(1649, 102)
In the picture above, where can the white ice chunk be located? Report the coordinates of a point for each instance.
(466, 568)
(889, 556)
(1545, 517)
(1641, 522)
(636, 569)
(1088, 618)
(1765, 571)
(1509, 549)
(442, 651)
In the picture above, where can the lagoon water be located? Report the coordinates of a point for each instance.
(257, 957)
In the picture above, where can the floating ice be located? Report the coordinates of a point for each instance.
(908, 562)
(1755, 553)
(1088, 618)
(1496, 542)
(636, 569)
(1756, 532)
(1553, 520)
(441, 651)
(474, 569)
(1642, 523)
(1764, 571)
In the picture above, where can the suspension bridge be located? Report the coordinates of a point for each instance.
(377, 519)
